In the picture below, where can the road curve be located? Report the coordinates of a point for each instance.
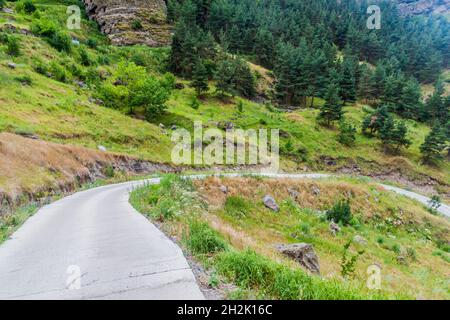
(98, 235)
(117, 251)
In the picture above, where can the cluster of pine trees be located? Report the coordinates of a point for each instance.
(196, 55)
(319, 48)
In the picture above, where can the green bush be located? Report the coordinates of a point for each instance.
(91, 43)
(44, 27)
(2, 4)
(236, 206)
(49, 29)
(24, 80)
(340, 212)
(60, 41)
(131, 87)
(136, 25)
(203, 240)
(84, 57)
(58, 72)
(195, 104)
(12, 46)
(109, 171)
(40, 67)
(26, 6)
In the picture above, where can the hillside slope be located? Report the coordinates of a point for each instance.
(51, 95)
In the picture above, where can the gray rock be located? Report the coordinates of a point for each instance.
(102, 148)
(270, 203)
(12, 65)
(334, 228)
(8, 10)
(224, 189)
(75, 42)
(28, 135)
(293, 193)
(173, 127)
(360, 240)
(303, 253)
(96, 101)
(162, 126)
(81, 84)
(316, 191)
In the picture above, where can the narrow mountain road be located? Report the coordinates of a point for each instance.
(94, 245)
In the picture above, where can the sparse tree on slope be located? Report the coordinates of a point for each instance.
(434, 144)
(332, 109)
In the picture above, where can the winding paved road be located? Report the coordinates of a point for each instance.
(94, 245)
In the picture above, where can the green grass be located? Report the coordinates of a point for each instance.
(237, 206)
(9, 223)
(62, 112)
(202, 240)
(394, 227)
(250, 271)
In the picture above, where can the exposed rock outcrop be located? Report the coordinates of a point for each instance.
(131, 22)
(424, 6)
(304, 254)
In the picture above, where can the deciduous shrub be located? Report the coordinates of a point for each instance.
(131, 87)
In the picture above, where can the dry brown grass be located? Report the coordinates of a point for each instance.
(31, 166)
(263, 230)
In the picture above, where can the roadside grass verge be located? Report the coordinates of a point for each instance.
(9, 223)
(252, 272)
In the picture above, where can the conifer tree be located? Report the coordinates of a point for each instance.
(348, 80)
(433, 145)
(332, 109)
(200, 78)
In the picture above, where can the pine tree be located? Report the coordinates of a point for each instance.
(332, 109)
(375, 121)
(347, 133)
(264, 48)
(410, 100)
(200, 78)
(318, 72)
(433, 145)
(400, 136)
(379, 80)
(348, 80)
(386, 132)
(366, 87)
(394, 134)
(434, 109)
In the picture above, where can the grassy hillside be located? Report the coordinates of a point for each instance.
(235, 237)
(49, 94)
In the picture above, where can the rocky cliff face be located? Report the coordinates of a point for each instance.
(132, 21)
(424, 6)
